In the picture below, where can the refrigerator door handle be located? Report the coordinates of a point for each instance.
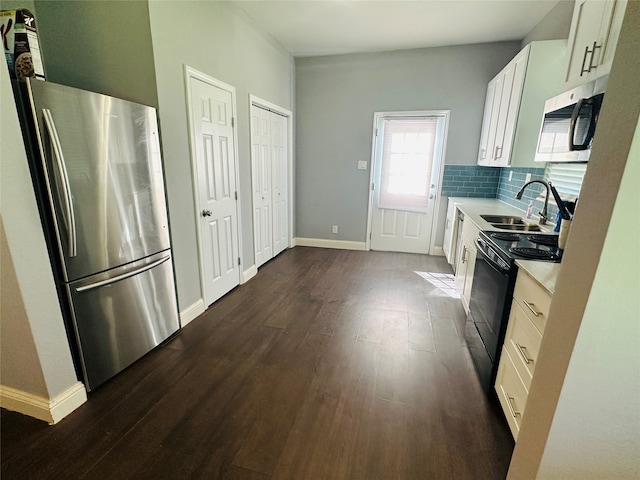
(62, 171)
(124, 276)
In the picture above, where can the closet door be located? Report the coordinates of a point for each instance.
(261, 169)
(279, 158)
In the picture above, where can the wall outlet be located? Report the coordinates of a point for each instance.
(334, 229)
(362, 165)
(527, 178)
(510, 174)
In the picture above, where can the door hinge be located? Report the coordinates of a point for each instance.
(236, 195)
(238, 260)
(376, 132)
(369, 235)
(373, 186)
(233, 122)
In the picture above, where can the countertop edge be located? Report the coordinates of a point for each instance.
(545, 274)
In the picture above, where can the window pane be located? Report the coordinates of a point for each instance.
(407, 158)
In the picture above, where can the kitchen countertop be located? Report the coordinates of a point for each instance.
(544, 273)
(474, 207)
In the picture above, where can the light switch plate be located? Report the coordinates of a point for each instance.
(362, 165)
(510, 174)
(527, 178)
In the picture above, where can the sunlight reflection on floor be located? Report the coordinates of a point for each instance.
(444, 282)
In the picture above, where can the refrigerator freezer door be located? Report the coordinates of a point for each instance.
(102, 165)
(122, 314)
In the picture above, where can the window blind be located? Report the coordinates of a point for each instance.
(566, 178)
(408, 149)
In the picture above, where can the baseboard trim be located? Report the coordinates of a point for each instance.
(192, 312)
(439, 251)
(48, 410)
(249, 273)
(325, 243)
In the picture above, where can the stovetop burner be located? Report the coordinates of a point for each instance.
(509, 237)
(550, 240)
(534, 253)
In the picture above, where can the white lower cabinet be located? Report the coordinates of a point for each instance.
(451, 233)
(466, 261)
(527, 320)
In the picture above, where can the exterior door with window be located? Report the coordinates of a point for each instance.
(408, 154)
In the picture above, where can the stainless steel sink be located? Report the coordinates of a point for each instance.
(503, 219)
(526, 228)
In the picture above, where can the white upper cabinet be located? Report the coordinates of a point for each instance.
(593, 37)
(515, 102)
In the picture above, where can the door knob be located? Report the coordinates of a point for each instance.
(206, 213)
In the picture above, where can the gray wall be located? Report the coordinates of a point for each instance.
(555, 25)
(82, 45)
(34, 352)
(100, 46)
(222, 43)
(336, 97)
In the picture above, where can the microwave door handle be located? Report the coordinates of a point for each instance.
(573, 124)
(66, 187)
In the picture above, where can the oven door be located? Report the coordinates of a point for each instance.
(493, 283)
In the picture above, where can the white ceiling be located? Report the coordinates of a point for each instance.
(330, 27)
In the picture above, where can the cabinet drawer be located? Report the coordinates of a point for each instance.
(533, 299)
(511, 393)
(470, 231)
(523, 343)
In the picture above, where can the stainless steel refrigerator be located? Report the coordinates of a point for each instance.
(97, 169)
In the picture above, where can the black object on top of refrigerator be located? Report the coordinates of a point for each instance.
(98, 177)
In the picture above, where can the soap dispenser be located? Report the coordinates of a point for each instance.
(530, 209)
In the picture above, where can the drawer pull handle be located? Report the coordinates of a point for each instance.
(533, 310)
(523, 353)
(512, 409)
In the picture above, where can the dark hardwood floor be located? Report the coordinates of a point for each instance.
(328, 364)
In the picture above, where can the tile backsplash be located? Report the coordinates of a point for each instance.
(492, 182)
(507, 191)
(470, 181)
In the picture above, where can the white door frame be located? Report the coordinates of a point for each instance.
(190, 73)
(437, 171)
(259, 102)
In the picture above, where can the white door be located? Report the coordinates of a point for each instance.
(408, 153)
(211, 125)
(279, 148)
(270, 179)
(262, 183)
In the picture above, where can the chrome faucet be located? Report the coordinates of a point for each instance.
(543, 212)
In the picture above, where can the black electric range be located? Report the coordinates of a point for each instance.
(523, 246)
(494, 279)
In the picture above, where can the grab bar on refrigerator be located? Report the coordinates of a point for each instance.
(62, 171)
(124, 276)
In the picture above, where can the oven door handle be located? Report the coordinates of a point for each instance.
(490, 262)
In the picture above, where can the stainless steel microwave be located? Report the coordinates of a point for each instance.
(569, 124)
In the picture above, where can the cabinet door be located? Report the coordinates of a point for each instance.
(585, 28)
(450, 230)
(483, 154)
(595, 28)
(609, 33)
(490, 120)
(514, 75)
(468, 280)
(461, 265)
